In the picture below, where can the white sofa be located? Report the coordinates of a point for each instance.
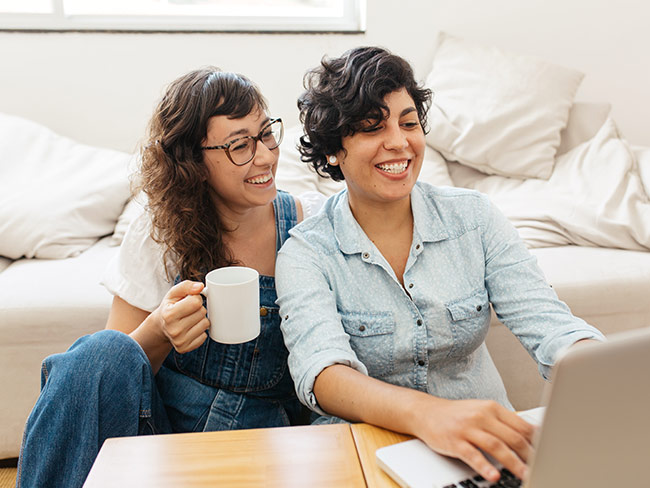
(47, 303)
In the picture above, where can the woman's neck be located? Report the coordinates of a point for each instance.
(390, 227)
(383, 218)
(251, 236)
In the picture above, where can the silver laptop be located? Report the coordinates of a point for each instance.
(595, 430)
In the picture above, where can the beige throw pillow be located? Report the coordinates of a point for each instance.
(57, 197)
(498, 112)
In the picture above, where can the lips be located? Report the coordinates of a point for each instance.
(260, 179)
(394, 167)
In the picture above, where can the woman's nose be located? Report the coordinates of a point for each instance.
(395, 138)
(263, 155)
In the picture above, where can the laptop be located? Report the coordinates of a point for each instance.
(595, 427)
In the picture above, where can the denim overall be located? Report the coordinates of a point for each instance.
(103, 386)
(253, 381)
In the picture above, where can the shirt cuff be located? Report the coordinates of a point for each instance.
(306, 388)
(550, 350)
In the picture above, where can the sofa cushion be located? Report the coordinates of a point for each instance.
(496, 111)
(608, 288)
(585, 119)
(57, 196)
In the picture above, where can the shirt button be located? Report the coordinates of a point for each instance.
(421, 362)
(419, 322)
(417, 247)
(479, 308)
(263, 312)
(286, 317)
(410, 285)
(362, 328)
(366, 255)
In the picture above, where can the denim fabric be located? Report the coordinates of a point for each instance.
(341, 302)
(103, 386)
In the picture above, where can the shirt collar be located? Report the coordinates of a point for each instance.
(351, 238)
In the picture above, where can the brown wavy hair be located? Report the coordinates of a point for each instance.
(174, 176)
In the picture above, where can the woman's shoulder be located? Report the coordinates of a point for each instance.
(447, 191)
(453, 197)
(455, 207)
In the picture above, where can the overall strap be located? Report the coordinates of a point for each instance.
(286, 216)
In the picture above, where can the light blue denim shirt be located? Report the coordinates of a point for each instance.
(341, 302)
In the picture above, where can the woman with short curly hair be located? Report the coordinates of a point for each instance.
(385, 294)
(339, 101)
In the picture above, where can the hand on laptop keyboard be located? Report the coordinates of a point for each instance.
(464, 428)
(507, 480)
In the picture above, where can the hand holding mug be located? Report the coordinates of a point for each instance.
(183, 316)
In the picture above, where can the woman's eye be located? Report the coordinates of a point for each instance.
(267, 134)
(411, 124)
(239, 146)
(373, 128)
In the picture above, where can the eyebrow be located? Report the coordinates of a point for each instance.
(404, 112)
(407, 110)
(242, 132)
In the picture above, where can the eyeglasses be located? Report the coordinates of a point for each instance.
(241, 151)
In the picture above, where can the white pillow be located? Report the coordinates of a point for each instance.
(57, 197)
(595, 197)
(495, 111)
(297, 177)
(131, 211)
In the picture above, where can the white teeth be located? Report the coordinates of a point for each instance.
(258, 180)
(394, 168)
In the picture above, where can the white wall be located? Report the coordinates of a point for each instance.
(100, 88)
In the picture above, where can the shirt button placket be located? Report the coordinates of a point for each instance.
(420, 353)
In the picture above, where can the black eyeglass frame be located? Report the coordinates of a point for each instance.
(255, 139)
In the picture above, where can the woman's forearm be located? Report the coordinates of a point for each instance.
(346, 393)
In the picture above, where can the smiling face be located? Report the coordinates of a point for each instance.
(381, 162)
(240, 187)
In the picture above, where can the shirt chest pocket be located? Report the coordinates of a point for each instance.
(470, 320)
(372, 339)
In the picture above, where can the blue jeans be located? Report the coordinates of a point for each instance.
(102, 387)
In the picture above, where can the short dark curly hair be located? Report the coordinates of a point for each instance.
(342, 92)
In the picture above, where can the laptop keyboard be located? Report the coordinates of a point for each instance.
(507, 480)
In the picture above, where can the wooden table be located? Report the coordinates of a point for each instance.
(313, 456)
(367, 439)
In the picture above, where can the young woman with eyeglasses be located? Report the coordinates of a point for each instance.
(208, 171)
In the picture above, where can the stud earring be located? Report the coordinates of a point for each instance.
(331, 159)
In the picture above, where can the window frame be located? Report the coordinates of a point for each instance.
(352, 21)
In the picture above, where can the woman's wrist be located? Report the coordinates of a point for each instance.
(416, 406)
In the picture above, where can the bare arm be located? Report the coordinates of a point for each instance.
(179, 322)
(456, 428)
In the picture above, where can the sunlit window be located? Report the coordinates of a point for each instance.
(184, 15)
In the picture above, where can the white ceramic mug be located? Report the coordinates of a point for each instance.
(233, 295)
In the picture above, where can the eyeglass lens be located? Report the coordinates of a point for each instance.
(243, 150)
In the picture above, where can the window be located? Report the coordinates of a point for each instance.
(184, 15)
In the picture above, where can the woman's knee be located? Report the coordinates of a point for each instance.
(105, 351)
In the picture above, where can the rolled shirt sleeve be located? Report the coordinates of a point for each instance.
(311, 325)
(522, 298)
